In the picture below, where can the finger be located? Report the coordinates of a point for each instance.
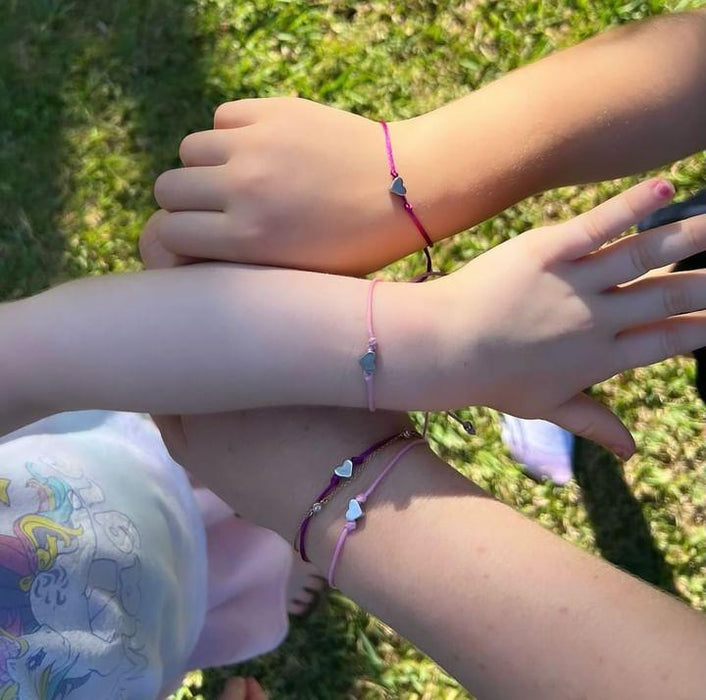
(589, 231)
(231, 115)
(201, 189)
(213, 147)
(255, 691)
(584, 416)
(235, 689)
(646, 345)
(655, 298)
(154, 255)
(197, 234)
(172, 430)
(636, 255)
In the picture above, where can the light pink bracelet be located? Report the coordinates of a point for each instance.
(368, 360)
(355, 510)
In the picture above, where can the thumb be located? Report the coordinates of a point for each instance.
(584, 416)
(154, 255)
(235, 689)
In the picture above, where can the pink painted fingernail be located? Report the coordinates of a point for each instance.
(664, 189)
(623, 452)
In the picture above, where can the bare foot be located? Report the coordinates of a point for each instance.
(243, 689)
(305, 588)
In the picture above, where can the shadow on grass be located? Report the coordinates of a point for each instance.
(135, 72)
(98, 70)
(621, 531)
(31, 106)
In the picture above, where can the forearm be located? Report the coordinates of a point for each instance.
(508, 608)
(211, 338)
(623, 102)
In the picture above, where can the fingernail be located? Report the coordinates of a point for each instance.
(623, 452)
(664, 189)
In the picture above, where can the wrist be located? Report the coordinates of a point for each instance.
(465, 332)
(412, 353)
(436, 199)
(366, 492)
(325, 436)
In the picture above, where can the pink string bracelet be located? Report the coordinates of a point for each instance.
(355, 509)
(346, 471)
(368, 360)
(398, 188)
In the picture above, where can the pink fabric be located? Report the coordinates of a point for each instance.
(223, 581)
(248, 573)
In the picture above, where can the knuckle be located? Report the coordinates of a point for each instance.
(283, 101)
(223, 111)
(253, 179)
(670, 341)
(676, 299)
(252, 232)
(641, 255)
(593, 229)
(587, 428)
(693, 231)
(631, 212)
(539, 246)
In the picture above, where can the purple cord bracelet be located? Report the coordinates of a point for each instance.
(355, 507)
(344, 472)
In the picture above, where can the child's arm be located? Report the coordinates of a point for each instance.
(524, 328)
(298, 184)
(509, 609)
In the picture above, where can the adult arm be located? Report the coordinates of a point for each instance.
(508, 608)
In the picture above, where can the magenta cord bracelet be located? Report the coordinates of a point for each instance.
(342, 474)
(397, 188)
(355, 507)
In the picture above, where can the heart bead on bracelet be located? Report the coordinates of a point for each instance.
(342, 474)
(368, 361)
(397, 186)
(344, 469)
(354, 510)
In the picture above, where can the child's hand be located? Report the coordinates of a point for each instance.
(527, 326)
(292, 183)
(559, 309)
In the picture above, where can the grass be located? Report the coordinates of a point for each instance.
(95, 97)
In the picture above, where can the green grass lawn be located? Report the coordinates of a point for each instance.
(95, 96)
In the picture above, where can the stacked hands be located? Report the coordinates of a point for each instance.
(244, 338)
(523, 328)
(227, 318)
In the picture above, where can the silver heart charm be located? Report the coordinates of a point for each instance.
(354, 511)
(397, 187)
(367, 362)
(344, 469)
